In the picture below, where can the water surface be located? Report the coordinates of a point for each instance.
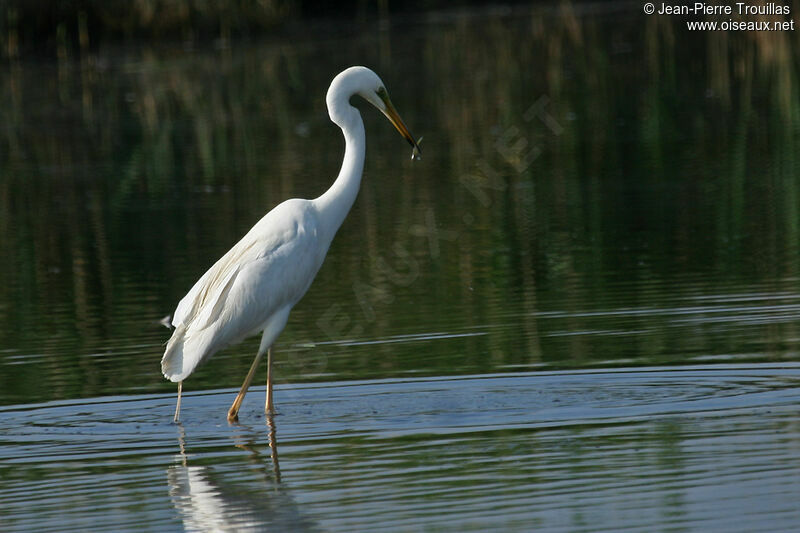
(709, 447)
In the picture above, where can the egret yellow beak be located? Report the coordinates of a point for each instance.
(394, 117)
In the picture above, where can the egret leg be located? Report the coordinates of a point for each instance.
(270, 407)
(233, 412)
(178, 405)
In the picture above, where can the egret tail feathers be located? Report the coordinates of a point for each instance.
(172, 364)
(186, 350)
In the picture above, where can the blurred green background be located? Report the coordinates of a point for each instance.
(598, 188)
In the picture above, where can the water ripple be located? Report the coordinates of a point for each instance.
(684, 447)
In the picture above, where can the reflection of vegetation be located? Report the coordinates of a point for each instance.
(674, 160)
(81, 24)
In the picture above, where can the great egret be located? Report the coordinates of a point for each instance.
(253, 287)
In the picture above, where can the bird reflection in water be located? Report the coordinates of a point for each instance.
(273, 448)
(223, 497)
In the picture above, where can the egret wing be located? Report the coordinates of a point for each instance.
(269, 269)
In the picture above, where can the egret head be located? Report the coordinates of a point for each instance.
(365, 83)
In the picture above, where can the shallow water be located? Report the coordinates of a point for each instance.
(656, 449)
(580, 311)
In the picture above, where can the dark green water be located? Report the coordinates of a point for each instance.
(579, 311)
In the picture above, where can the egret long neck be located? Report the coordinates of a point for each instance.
(336, 202)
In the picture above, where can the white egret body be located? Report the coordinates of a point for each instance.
(253, 287)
